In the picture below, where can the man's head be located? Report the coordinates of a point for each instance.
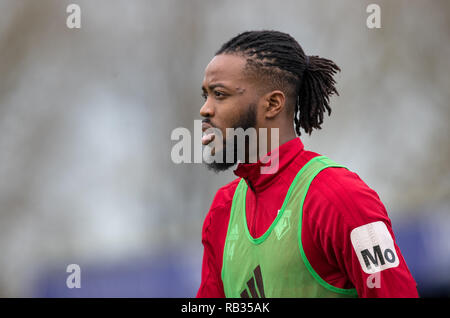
(263, 79)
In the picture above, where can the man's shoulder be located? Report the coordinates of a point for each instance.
(333, 182)
(341, 181)
(220, 208)
(343, 191)
(224, 196)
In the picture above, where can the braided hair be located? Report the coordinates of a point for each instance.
(279, 60)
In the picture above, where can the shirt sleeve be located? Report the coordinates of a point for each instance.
(210, 286)
(214, 233)
(350, 229)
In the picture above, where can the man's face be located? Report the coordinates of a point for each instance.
(230, 102)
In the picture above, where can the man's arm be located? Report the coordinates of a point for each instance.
(350, 225)
(211, 284)
(214, 233)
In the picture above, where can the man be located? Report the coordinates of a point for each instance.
(311, 228)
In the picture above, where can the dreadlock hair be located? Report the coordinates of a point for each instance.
(277, 58)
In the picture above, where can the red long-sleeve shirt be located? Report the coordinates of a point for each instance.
(337, 203)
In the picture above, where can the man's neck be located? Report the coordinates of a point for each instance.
(275, 138)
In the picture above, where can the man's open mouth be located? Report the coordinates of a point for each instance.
(207, 137)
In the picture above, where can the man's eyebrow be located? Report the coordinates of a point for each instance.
(238, 90)
(212, 86)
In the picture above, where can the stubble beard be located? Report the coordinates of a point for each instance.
(248, 120)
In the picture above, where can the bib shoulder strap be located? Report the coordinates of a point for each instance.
(326, 161)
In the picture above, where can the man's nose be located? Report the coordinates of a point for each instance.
(206, 110)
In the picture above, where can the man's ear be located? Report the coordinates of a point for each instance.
(274, 103)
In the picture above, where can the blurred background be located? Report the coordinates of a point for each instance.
(86, 116)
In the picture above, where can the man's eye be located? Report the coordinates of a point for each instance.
(218, 94)
(204, 95)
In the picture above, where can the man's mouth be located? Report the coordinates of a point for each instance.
(207, 137)
(205, 126)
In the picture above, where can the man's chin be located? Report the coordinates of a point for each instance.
(219, 167)
(216, 157)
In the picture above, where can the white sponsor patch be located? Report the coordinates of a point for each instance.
(374, 246)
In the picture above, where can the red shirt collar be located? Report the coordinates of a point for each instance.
(251, 172)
